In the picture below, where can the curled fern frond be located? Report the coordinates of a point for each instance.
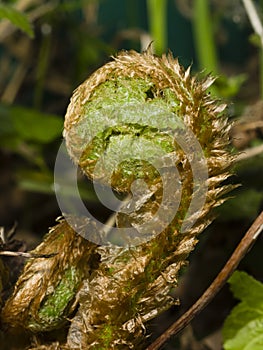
(134, 97)
(142, 125)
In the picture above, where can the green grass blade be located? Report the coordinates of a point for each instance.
(204, 37)
(158, 24)
(17, 18)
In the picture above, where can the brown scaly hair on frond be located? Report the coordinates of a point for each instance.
(140, 101)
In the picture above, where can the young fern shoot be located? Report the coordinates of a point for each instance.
(143, 126)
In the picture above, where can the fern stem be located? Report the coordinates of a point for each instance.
(158, 24)
(204, 37)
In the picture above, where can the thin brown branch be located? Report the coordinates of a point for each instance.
(26, 254)
(249, 153)
(15, 83)
(241, 250)
(254, 18)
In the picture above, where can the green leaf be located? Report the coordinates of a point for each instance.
(33, 125)
(247, 289)
(250, 337)
(9, 139)
(243, 328)
(238, 318)
(17, 18)
(19, 125)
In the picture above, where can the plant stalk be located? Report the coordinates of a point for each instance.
(204, 37)
(158, 24)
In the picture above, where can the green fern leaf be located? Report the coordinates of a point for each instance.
(243, 328)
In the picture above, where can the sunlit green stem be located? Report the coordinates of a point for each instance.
(158, 24)
(204, 37)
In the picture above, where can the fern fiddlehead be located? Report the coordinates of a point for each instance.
(144, 97)
(143, 125)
